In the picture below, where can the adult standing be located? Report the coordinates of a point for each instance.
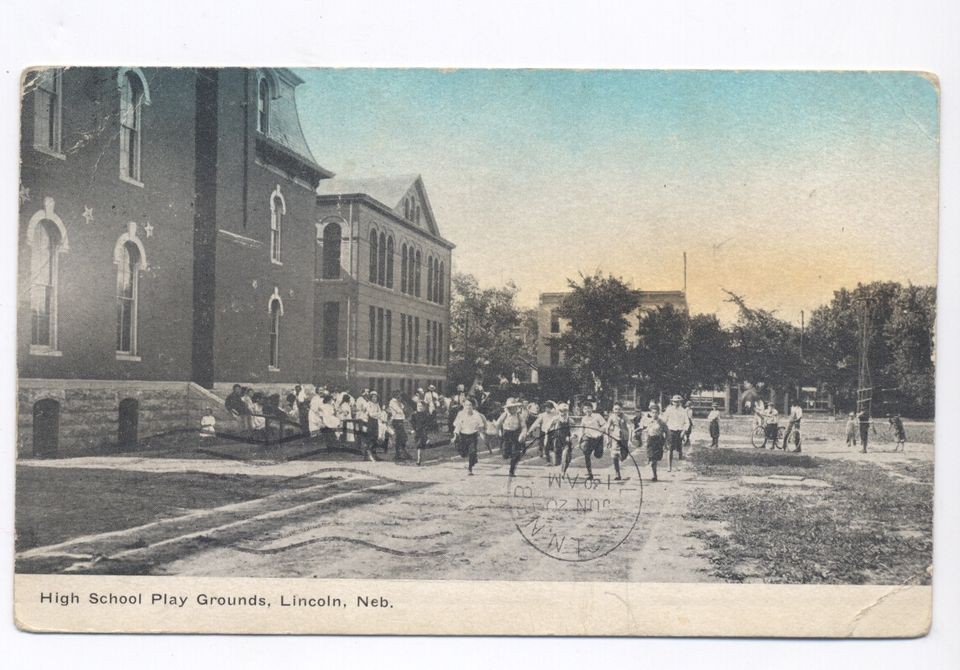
(618, 434)
(314, 414)
(330, 422)
(677, 421)
(864, 419)
(796, 414)
(713, 422)
(345, 415)
(397, 413)
(375, 428)
(432, 401)
(467, 428)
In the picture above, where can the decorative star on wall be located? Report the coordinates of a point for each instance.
(148, 229)
(24, 194)
(87, 214)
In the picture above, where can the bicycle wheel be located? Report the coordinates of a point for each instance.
(758, 437)
(781, 432)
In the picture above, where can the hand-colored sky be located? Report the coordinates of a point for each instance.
(780, 186)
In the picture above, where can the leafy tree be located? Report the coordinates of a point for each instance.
(765, 348)
(677, 353)
(900, 349)
(594, 345)
(489, 333)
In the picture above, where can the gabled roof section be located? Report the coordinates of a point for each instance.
(391, 192)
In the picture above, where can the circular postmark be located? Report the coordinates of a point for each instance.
(571, 517)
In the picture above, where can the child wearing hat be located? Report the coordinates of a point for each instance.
(896, 424)
(512, 431)
(677, 421)
(656, 430)
(713, 421)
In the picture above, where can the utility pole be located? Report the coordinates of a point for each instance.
(866, 305)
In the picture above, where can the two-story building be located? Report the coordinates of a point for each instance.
(172, 243)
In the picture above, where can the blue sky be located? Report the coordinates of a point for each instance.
(780, 186)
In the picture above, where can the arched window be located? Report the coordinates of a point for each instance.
(416, 279)
(374, 246)
(410, 270)
(416, 214)
(131, 104)
(278, 208)
(390, 252)
(44, 280)
(440, 287)
(129, 263)
(430, 278)
(331, 251)
(403, 268)
(382, 261)
(276, 311)
(263, 105)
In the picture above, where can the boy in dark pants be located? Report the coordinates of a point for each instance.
(420, 420)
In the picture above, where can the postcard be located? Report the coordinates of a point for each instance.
(476, 352)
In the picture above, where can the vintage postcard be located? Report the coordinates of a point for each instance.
(485, 352)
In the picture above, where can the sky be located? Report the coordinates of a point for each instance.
(782, 187)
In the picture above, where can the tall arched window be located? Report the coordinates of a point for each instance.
(129, 263)
(430, 278)
(390, 252)
(131, 104)
(278, 207)
(44, 280)
(410, 270)
(417, 273)
(440, 284)
(331, 251)
(263, 105)
(374, 247)
(276, 311)
(382, 261)
(403, 267)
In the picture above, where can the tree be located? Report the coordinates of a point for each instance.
(594, 345)
(489, 334)
(900, 348)
(677, 353)
(909, 335)
(765, 349)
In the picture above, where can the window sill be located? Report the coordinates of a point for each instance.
(133, 358)
(41, 350)
(271, 368)
(53, 153)
(131, 180)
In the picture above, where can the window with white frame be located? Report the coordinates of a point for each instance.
(129, 263)
(131, 137)
(278, 208)
(48, 110)
(44, 275)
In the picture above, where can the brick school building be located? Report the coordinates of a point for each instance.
(171, 244)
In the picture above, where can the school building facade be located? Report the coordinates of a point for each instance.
(170, 237)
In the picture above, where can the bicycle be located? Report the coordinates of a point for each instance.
(759, 436)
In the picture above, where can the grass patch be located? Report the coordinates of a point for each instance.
(54, 504)
(869, 527)
(740, 462)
